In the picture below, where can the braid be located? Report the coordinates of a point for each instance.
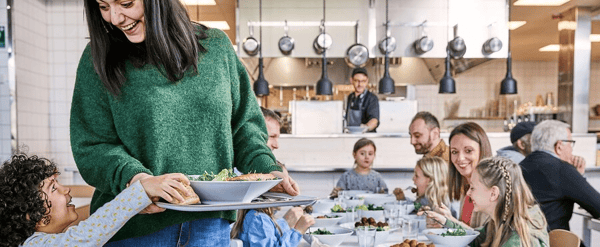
(508, 193)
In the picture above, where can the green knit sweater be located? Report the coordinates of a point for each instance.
(204, 122)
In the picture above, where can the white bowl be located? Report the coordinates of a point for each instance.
(339, 235)
(227, 192)
(375, 214)
(357, 192)
(323, 206)
(325, 222)
(377, 199)
(355, 129)
(422, 220)
(450, 241)
(354, 203)
(404, 207)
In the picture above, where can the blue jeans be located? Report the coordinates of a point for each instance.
(202, 232)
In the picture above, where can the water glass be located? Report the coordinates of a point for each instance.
(410, 228)
(391, 215)
(366, 236)
(351, 214)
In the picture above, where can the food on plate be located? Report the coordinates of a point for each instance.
(372, 207)
(399, 193)
(454, 232)
(412, 243)
(187, 200)
(338, 209)
(371, 222)
(328, 216)
(253, 177)
(229, 175)
(308, 209)
(321, 232)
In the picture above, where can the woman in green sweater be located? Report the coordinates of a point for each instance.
(499, 191)
(155, 94)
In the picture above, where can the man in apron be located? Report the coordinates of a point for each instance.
(362, 107)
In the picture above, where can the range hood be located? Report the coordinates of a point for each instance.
(457, 66)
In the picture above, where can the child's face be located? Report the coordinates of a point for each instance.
(364, 156)
(62, 213)
(420, 181)
(484, 198)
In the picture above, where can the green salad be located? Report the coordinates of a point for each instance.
(322, 232)
(338, 209)
(455, 232)
(221, 176)
(372, 207)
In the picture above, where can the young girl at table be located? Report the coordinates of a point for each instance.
(499, 191)
(361, 176)
(259, 228)
(431, 179)
(36, 210)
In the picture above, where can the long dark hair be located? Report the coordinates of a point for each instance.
(171, 43)
(459, 185)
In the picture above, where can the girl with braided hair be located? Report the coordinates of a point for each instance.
(498, 190)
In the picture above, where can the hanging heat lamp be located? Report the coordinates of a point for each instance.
(261, 86)
(447, 84)
(387, 84)
(508, 84)
(324, 85)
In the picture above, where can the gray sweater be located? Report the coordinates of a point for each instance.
(351, 180)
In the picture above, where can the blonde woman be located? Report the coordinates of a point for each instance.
(498, 190)
(431, 180)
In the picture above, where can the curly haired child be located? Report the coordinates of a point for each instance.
(36, 210)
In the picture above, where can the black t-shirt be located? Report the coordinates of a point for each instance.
(370, 106)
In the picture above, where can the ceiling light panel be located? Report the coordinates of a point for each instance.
(550, 48)
(540, 2)
(512, 25)
(216, 24)
(199, 2)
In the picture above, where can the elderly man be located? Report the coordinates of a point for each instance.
(424, 133)
(555, 184)
(520, 137)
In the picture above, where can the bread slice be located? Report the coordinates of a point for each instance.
(253, 177)
(193, 199)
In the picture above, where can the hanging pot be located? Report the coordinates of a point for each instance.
(357, 55)
(457, 47)
(423, 44)
(492, 45)
(390, 42)
(323, 41)
(251, 45)
(286, 43)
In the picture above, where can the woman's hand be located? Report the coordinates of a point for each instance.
(399, 193)
(164, 186)
(304, 223)
(445, 211)
(334, 192)
(433, 217)
(287, 185)
(293, 215)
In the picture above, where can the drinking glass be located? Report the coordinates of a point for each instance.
(410, 228)
(366, 236)
(391, 215)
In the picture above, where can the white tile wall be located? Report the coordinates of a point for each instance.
(5, 93)
(477, 86)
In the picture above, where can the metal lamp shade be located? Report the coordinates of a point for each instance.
(447, 84)
(509, 84)
(261, 86)
(387, 84)
(324, 86)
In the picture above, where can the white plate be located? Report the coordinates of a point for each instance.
(293, 201)
(230, 192)
(450, 241)
(325, 222)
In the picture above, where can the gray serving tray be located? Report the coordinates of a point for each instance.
(266, 200)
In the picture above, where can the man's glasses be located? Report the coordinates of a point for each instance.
(570, 141)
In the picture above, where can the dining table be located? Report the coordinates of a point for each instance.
(589, 224)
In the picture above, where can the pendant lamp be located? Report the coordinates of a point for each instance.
(508, 84)
(324, 85)
(261, 86)
(387, 84)
(447, 84)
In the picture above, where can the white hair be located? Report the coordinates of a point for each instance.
(547, 133)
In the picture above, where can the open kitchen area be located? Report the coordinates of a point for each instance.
(496, 63)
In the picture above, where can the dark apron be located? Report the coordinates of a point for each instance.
(354, 117)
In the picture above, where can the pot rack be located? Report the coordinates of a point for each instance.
(302, 23)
